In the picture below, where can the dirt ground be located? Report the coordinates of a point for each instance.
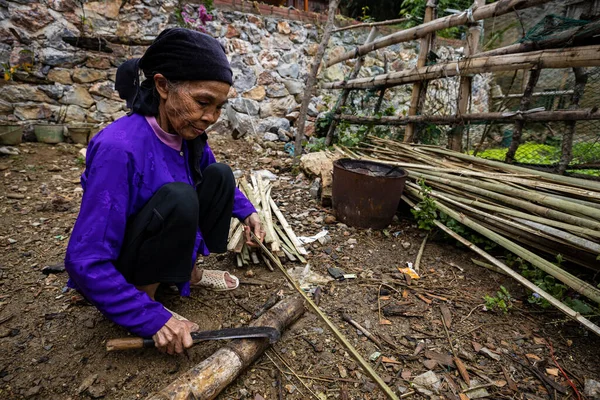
(52, 346)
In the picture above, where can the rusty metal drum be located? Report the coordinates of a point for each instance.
(366, 194)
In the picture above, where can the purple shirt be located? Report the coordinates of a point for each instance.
(126, 164)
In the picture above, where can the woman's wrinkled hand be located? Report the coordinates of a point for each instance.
(174, 337)
(253, 225)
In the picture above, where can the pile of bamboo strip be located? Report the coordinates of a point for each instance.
(279, 235)
(528, 212)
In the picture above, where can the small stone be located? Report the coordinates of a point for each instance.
(352, 241)
(329, 220)
(270, 137)
(249, 274)
(343, 371)
(406, 245)
(89, 323)
(97, 391)
(12, 241)
(34, 391)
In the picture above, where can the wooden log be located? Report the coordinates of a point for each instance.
(534, 75)
(538, 116)
(420, 87)
(344, 96)
(515, 275)
(585, 56)
(581, 78)
(206, 380)
(372, 24)
(455, 139)
(312, 78)
(491, 10)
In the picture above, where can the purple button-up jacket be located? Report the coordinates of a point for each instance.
(126, 164)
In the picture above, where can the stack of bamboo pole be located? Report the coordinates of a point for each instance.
(529, 213)
(279, 234)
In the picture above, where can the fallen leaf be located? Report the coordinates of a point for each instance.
(490, 354)
(406, 374)
(500, 384)
(552, 371)
(539, 340)
(476, 346)
(430, 364)
(405, 294)
(87, 382)
(425, 299)
(409, 271)
(385, 322)
(443, 359)
(388, 360)
(384, 297)
(463, 396)
(462, 370)
(419, 348)
(343, 372)
(533, 357)
(446, 315)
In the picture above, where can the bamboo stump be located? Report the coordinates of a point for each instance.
(206, 380)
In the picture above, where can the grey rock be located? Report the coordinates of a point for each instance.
(75, 114)
(271, 25)
(77, 95)
(277, 90)
(266, 109)
(254, 34)
(291, 57)
(108, 106)
(283, 135)
(241, 124)
(312, 110)
(273, 124)
(299, 35)
(348, 38)
(23, 93)
(288, 70)
(244, 77)
(5, 50)
(58, 58)
(245, 106)
(592, 389)
(271, 137)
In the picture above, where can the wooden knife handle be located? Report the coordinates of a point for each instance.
(128, 344)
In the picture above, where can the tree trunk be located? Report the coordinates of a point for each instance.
(206, 380)
(333, 5)
(525, 101)
(581, 78)
(464, 93)
(491, 10)
(344, 96)
(420, 87)
(587, 56)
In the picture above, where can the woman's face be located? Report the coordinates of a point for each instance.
(187, 108)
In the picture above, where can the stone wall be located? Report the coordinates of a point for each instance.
(270, 57)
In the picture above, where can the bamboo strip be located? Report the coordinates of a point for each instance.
(287, 228)
(573, 282)
(271, 236)
(574, 239)
(563, 308)
(288, 242)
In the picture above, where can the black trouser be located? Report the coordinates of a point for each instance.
(159, 240)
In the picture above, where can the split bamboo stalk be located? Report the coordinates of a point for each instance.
(289, 244)
(312, 78)
(584, 56)
(420, 87)
(548, 297)
(344, 95)
(371, 24)
(574, 239)
(582, 183)
(287, 228)
(573, 282)
(492, 10)
(331, 326)
(271, 236)
(534, 75)
(455, 140)
(206, 380)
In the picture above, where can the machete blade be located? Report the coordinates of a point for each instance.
(238, 333)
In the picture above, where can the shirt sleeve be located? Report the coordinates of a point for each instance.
(242, 207)
(96, 242)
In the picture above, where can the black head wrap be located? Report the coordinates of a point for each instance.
(180, 55)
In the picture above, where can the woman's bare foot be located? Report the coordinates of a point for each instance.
(197, 276)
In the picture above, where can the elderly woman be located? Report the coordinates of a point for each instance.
(154, 196)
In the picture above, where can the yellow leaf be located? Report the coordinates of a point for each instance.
(390, 361)
(384, 297)
(552, 371)
(533, 357)
(500, 383)
(385, 322)
(539, 340)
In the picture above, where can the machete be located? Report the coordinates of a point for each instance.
(251, 332)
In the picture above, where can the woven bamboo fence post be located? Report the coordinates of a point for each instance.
(420, 87)
(581, 78)
(455, 140)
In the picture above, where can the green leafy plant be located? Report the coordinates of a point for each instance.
(426, 211)
(315, 144)
(502, 301)
(467, 233)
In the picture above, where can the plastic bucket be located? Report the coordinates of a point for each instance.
(366, 194)
(49, 133)
(11, 135)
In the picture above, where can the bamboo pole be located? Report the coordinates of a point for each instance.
(508, 271)
(287, 228)
(585, 56)
(582, 183)
(573, 282)
(206, 380)
(455, 140)
(271, 236)
(586, 114)
(534, 75)
(573, 239)
(355, 354)
(492, 10)
(372, 24)
(581, 78)
(312, 77)
(344, 96)
(420, 87)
